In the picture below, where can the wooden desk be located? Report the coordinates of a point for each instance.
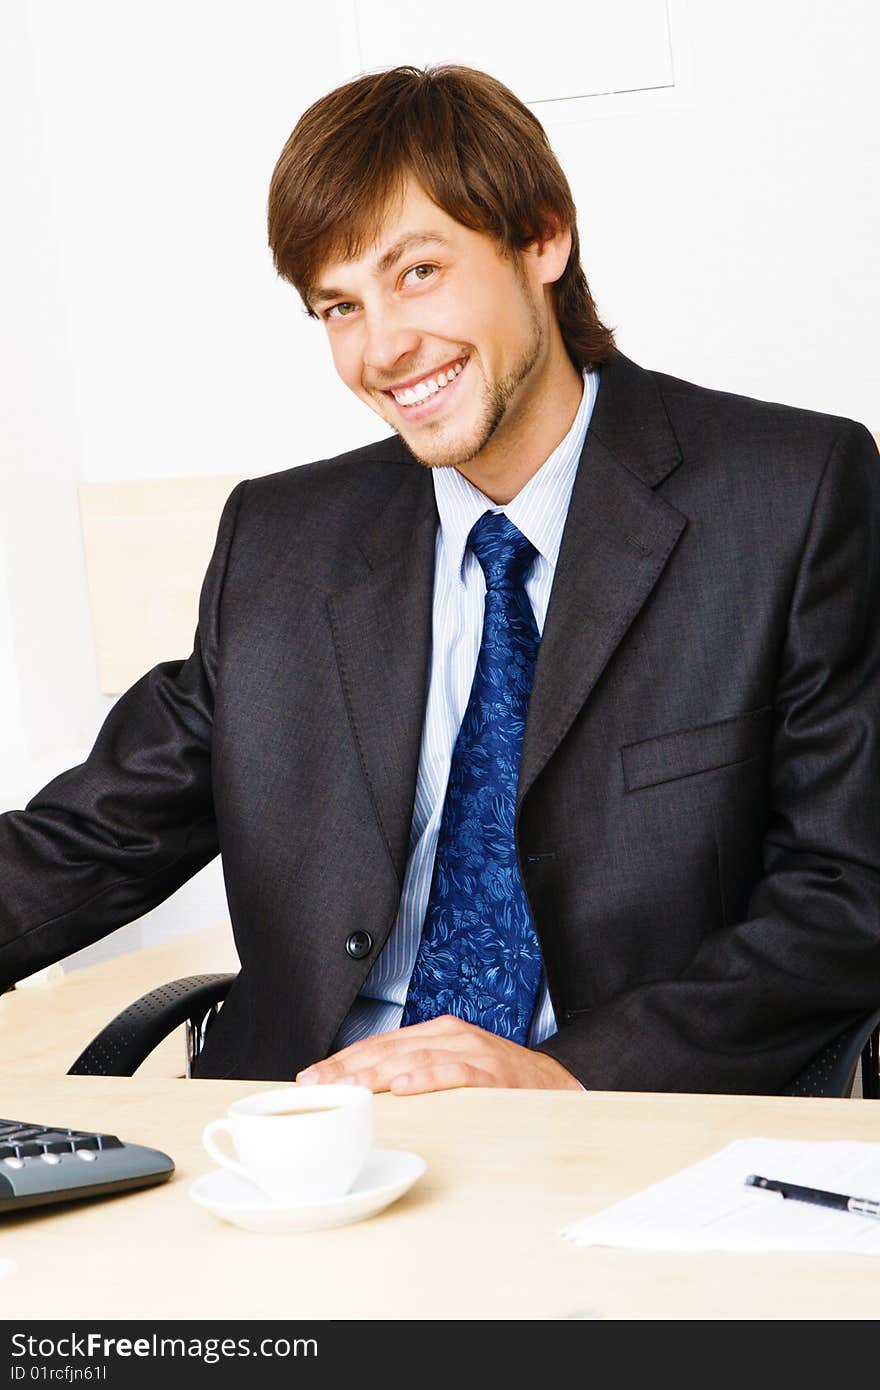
(44, 1028)
(477, 1237)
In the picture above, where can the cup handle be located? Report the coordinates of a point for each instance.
(221, 1126)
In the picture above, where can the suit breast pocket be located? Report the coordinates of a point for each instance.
(687, 752)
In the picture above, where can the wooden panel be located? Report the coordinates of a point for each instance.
(147, 545)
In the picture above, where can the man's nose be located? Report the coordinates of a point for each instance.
(388, 339)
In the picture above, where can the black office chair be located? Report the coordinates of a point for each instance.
(832, 1072)
(130, 1037)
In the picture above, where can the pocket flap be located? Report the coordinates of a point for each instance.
(688, 751)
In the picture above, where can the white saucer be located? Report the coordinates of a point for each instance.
(386, 1175)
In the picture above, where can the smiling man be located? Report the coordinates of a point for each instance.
(462, 353)
(540, 739)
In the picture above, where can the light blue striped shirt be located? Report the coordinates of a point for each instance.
(539, 510)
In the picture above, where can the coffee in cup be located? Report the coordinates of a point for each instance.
(298, 1146)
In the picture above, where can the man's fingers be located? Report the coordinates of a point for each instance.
(376, 1050)
(347, 1065)
(437, 1056)
(439, 1076)
(417, 1061)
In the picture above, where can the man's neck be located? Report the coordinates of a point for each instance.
(530, 435)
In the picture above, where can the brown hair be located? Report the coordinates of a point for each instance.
(477, 152)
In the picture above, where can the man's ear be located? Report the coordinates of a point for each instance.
(548, 256)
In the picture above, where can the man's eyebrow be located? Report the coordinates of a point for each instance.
(406, 243)
(385, 261)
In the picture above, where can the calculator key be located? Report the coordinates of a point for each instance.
(109, 1141)
(29, 1150)
(85, 1141)
(7, 1151)
(58, 1146)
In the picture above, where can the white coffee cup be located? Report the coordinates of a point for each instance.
(300, 1144)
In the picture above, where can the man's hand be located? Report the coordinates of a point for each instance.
(439, 1055)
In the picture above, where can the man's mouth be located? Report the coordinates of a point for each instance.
(427, 386)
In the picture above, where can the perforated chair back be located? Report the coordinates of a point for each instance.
(129, 1038)
(832, 1073)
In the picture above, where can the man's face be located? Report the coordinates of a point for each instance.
(403, 317)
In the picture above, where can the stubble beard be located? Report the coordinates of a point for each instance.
(496, 399)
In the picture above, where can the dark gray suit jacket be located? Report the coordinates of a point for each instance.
(698, 820)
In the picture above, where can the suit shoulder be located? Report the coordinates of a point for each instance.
(315, 516)
(727, 418)
(327, 495)
(365, 468)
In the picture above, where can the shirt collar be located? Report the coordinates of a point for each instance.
(538, 510)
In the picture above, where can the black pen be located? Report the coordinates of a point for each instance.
(860, 1206)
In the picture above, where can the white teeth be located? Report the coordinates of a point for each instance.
(429, 387)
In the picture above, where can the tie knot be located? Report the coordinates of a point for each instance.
(503, 551)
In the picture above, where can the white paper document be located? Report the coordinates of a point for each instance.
(709, 1206)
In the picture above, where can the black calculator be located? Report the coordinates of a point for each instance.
(40, 1164)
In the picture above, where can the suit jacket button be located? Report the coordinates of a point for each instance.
(359, 944)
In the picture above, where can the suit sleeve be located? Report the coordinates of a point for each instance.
(760, 998)
(107, 841)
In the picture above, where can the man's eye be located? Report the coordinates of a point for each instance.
(416, 268)
(331, 313)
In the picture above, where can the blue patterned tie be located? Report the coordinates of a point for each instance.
(479, 957)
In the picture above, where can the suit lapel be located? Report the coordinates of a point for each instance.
(618, 537)
(381, 628)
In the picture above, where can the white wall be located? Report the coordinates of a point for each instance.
(730, 238)
(51, 670)
(735, 243)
